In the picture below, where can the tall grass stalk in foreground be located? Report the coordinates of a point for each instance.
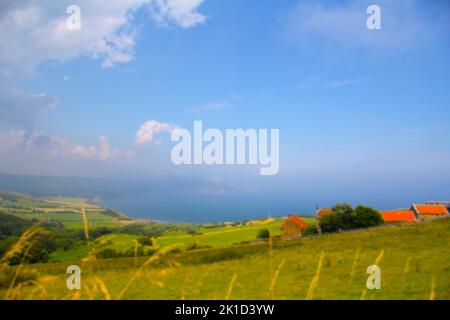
(24, 241)
(271, 255)
(135, 253)
(231, 286)
(22, 246)
(274, 279)
(99, 285)
(377, 261)
(433, 289)
(17, 293)
(85, 224)
(38, 287)
(96, 282)
(315, 280)
(153, 258)
(18, 270)
(355, 261)
(407, 266)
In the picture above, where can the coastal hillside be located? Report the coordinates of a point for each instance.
(413, 258)
(67, 211)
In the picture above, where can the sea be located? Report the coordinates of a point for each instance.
(174, 199)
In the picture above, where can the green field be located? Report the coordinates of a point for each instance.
(414, 261)
(63, 210)
(226, 236)
(219, 237)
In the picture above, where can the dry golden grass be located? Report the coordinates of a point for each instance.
(21, 248)
(355, 261)
(231, 286)
(433, 289)
(275, 278)
(85, 224)
(24, 242)
(152, 259)
(315, 280)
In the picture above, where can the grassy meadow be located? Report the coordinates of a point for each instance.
(204, 237)
(125, 259)
(224, 236)
(414, 261)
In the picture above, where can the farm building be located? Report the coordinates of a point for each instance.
(440, 203)
(293, 227)
(429, 210)
(399, 216)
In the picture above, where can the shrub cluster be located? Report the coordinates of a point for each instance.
(344, 217)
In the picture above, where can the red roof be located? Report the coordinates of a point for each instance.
(432, 210)
(323, 212)
(299, 221)
(392, 216)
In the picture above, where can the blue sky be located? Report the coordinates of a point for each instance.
(364, 115)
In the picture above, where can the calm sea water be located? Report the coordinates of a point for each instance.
(170, 199)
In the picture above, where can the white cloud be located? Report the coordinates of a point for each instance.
(102, 152)
(180, 12)
(149, 132)
(61, 147)
(32, 32)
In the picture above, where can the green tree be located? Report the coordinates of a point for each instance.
(367, 217)
(341, 218)
(344, 217)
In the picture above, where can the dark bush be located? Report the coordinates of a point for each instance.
(108, 253)
(145, 241)
(263, 234)
(193, 232)
(221, 255)
(95, 233)
(194, 246)
(310, 230)
(367, 217)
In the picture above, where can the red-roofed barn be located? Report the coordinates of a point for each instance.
(399, 216)
(293, 227)
(429, 210)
